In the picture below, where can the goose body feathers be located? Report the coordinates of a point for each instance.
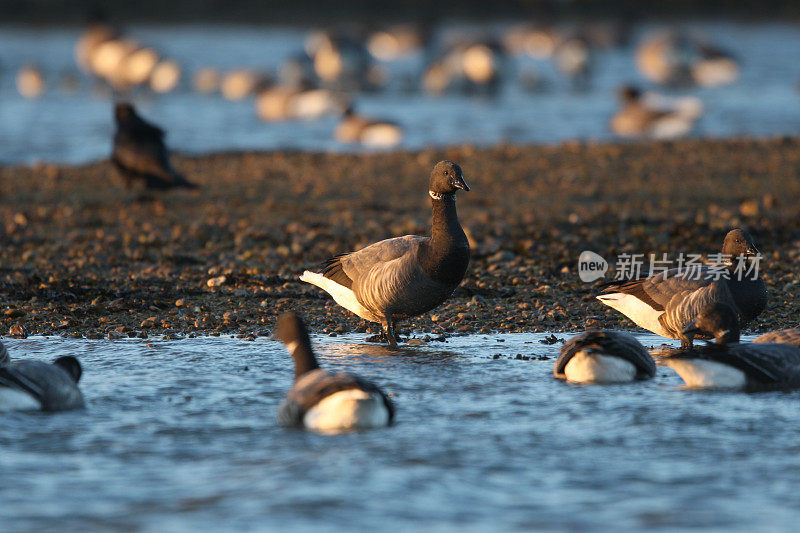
(603, 357)
(36, 385)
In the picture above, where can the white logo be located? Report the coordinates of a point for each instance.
(591, 266)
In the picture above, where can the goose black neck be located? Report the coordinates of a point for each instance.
(446, 259)
(304, 360)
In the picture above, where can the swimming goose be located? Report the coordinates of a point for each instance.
(654, 116)
(139, 152)
(666, 302)
(27, 385)
(727, 364)
(323, 401)
(355, 128)
(405, 276)
(603, 357)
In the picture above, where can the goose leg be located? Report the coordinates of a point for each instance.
(388, 330)
(686, 344)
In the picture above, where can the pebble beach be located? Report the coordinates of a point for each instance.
(84, 257)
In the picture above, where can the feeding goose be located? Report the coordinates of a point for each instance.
(323, 401)
(727, 364)
(27, 385)
(405, 276)
(603, 357)
(666, 302)
(782, 336)
(140, 154)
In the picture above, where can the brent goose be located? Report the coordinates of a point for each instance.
(666, 302)
(603, 357)
(783, 336)
(323, 401)
(27, 385)
(654, 116)
(405, 276)
(355, 128)
(140, 154)
(727, 364)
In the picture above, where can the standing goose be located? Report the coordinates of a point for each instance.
(603, 357)
(140, 154)
(727, 364)
(782, 336)
(405, 276)
(38, 386)
(665, 303)
(323, 401)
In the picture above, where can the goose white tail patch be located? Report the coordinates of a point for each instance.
(705, 374)
(632, 307)
(347, 410)
(341, 294)
(589, 367)
(15, 400)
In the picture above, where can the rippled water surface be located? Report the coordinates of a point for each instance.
(76, 126)
(180, 436)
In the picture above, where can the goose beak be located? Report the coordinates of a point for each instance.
(459, 183)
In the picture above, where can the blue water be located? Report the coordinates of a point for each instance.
(73, 127)
(180, 436)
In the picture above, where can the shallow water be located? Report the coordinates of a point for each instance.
(180, 436)
(76, 126)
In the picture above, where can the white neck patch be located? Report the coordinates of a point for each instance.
(437, 196)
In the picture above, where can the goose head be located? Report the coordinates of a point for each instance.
(446, 179)
(739, 243)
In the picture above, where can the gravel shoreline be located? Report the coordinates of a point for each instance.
(83, 257)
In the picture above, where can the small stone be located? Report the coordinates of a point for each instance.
(415, 342)
(216, 282)
(180, 302)
(114, 335)
(149, 322)
(18, 331)
(15, 313)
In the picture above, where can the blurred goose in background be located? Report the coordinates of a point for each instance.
(206, 80)
(340, 60)
(165, 76)
(30, 82)
(666, 302)
(469, 67)
(532, 41)
(603, 357)
(665, 57)
(96, 33)
(355, 128)
(304, 102)
(241, 83)
(653, 116)
(140, 153)
(323, 401)
(573, 57)
(729, 365)
(714, 67)
(396, 42)
(405, 276)
(27, 385)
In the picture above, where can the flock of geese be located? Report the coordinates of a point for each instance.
(402, 277)
(334, 66)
